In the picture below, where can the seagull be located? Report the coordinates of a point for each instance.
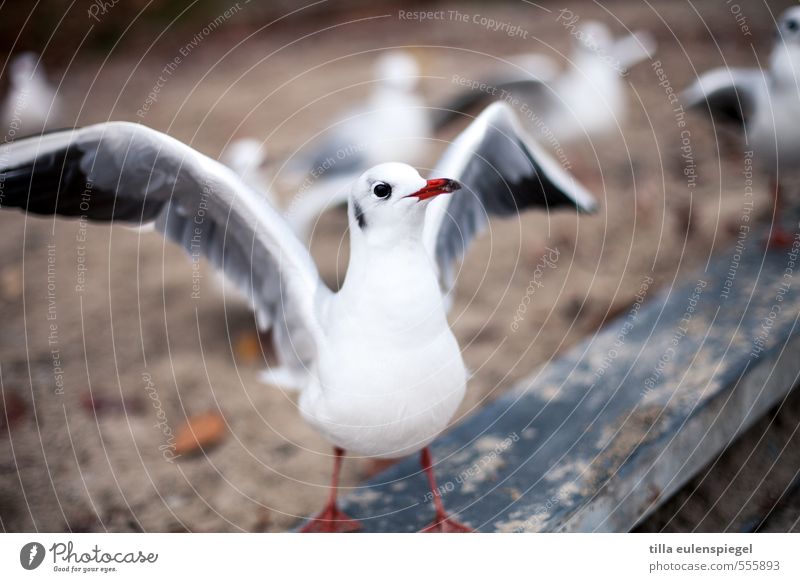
(31, 103)
(586, 99)
(766, 104)
(381, 371)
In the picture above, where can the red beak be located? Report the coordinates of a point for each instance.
(435, 187)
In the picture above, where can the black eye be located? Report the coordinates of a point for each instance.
(382, 190)
(792, 25)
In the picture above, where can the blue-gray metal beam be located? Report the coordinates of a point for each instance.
(596, 440)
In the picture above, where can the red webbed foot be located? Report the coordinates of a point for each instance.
(331, 520)
(446, 524)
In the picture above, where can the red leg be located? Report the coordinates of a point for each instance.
(443, 522)
(332, 519)
(779, 238)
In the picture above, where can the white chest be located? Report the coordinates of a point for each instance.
(390, 375)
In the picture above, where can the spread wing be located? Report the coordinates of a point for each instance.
(132, 174)
(727, 94)
(503, 172)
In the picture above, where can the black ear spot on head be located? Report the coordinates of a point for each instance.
(359, 212)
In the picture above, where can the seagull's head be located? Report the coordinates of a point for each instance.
(23, 66)
(397, 70)
(786, 54)
(594, 38)
(789, 26)
(391, 199)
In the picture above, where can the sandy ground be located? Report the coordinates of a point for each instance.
(132, 336)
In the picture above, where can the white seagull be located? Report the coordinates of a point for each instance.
(587, 99)
(381, 371)
(766, 103)
(31, 103)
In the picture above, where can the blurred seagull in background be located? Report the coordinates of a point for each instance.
(247, 157)
(379, 370)
(586, 100)
(392, 125)
(766, 104)
(31, 104)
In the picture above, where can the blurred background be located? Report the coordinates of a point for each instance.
(106, 350)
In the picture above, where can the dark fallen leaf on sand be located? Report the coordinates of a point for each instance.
(263, 521)
(247, 348)
(253, 348)
(12, 410)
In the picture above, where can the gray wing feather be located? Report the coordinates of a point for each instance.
(130, 173)
(502, 171)
(727, 94)
(526, 86)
